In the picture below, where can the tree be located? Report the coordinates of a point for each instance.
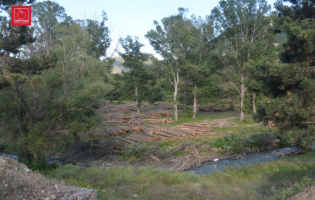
(289, 82)
(200, 55)
(46, 16)
(5, 4)
(242, 26)
(134, 60)
(100, 36)
(49, 100)
(172, 42)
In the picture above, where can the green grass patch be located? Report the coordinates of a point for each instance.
(277, 179)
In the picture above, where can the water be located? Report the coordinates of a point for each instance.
(9, 155)
(250, 159)
(15, 157)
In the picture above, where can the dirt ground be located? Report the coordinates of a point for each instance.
(307, 194)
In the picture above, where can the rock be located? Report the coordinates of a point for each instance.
(26, 170)
(275, 141)
(36, 186)
(154, 158)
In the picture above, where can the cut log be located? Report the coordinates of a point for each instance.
(125, 140)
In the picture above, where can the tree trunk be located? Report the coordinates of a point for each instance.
(195, 101)
(242, 97)
(254, 104)
(175, 97)
(77, 140)
(185, 96)
(136, 94)
(35, 155)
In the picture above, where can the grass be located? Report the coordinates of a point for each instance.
(275, 180)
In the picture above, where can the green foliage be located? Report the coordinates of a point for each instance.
(42, 167)
(253, 142)
(288, 82)
(55, 97)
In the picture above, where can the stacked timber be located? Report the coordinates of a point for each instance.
(116, 118)
(135, 122)
(128, 105)
(142, 137)
(152, 132)
(195, 127)
(152, 129)
(159, 120)
(114, 131)
(157, 113)
(137, 116)
(212, 109)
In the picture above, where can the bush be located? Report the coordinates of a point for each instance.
(43, 167)
(257, 141)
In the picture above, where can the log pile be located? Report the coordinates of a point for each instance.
(152, 129)
(142, 137)
(128, 105)
(146, 136)
(118, 130)
(195, 127)
(212, 109)
(158, 113)
(155, 120)
(135, 122)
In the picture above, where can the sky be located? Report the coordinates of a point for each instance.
(135, 18)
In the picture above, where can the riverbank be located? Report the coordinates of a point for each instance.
(276, 179)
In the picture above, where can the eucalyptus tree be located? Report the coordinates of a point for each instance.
(199, 57)
(46, 16)
(172, 41)
(243, 27)
(134, 60)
